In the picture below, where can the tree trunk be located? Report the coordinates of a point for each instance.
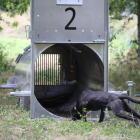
(138, 14)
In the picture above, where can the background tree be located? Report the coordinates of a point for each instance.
(13, 7)
(116, 7)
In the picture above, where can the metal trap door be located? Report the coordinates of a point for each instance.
(50, 86)
(48, 70)
(49, 77)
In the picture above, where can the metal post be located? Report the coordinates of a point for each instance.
(129, 90)
(106, 48)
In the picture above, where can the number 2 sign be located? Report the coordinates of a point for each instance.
(68, 21)
(74, 13)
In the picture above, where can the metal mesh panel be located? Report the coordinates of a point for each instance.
(48, 69)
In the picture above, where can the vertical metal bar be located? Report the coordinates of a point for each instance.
(58, 67)
(42, 64)
(40, 68)
(106, 11)
(47, 69)
(57, 70)
(54, 69)
(130, 85)
(33, 50)
(36, 72)
(51, 67)
(61, 79)
(60, 70)
(43, 69)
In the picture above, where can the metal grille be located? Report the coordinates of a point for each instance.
(48, 69)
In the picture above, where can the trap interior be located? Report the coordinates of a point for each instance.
(62, 72)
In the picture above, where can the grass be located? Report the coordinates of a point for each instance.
(13, 46)
(16, 124)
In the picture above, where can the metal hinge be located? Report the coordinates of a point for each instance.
(99, 41)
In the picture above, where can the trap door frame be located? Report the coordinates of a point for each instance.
(38, 46)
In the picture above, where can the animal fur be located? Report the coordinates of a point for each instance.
(99, 100)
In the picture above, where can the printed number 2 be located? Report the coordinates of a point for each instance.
(67, 26)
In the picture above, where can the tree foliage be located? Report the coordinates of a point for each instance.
(13, 7)
(116, 8)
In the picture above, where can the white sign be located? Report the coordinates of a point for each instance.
(69, 2)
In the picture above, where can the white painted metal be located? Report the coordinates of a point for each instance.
(69, 2)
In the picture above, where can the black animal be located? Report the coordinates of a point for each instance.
(96, 100)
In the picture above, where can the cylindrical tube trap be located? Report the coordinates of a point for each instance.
(68, 54)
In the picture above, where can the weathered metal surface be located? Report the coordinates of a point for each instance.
(53, 23)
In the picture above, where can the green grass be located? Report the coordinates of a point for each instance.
(16, 124)
(13, 46)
